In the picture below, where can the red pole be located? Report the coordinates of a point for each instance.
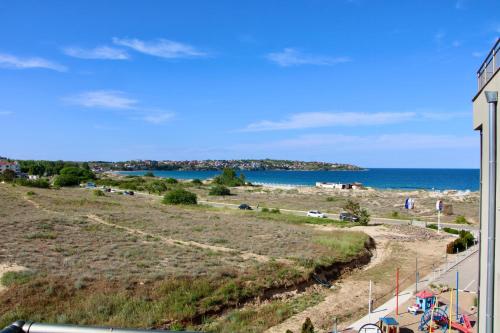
(397, 291)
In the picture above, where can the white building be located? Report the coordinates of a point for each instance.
(6, 165)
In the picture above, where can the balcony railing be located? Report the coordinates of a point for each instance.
(489, 66)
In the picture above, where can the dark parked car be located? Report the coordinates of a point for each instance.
(348, 217)
(244, 207)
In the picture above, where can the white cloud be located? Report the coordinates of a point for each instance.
(10, 61)
(331, 119)
(390, 142)
(326, 119)
(163, 48)
(107, 99)
(101, 52)
(5, 113)
(292, 57)
(478, 54)
(159, 118)
(119, 101)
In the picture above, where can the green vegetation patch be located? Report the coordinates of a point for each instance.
(16, 278)
(180, 197)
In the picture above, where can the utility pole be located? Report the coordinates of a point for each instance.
(416, 275)
(456, 312)
(397, 291)
(370, 299)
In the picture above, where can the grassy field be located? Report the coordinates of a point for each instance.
(134, 262)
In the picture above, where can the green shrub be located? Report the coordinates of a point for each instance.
(30, 193)
(197, 182)
(229, 178)
(461, 220)
(82, 174)
(13, 278)
(394, 214)
(275, 211)
(99, 193)
(432, 226)
(39, 183)
(180, 197)
(331, 199)
(265, 210)
(8, 175)
(219, 190)
(465, 240)
(149, 174)
(66, 180)
(171, 180)
(307, 326)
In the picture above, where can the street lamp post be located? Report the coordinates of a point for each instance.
(492, 99)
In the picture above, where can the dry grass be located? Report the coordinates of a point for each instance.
(92, 273)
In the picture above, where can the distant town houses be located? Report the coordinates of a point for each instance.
(340, 186)
(10, 165)
(221, 164)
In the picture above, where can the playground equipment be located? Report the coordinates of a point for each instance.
(434, 316)
(389, 325)
(438, 319)
(424, 301)
(369, 328)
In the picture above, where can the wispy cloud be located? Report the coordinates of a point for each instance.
(292, 57)
(163, 48)
(159, 117)
(10, 61)
(106, 99)
(119, 101)
(100, 52)
(478, 54)
(331, 119)
(391, 142)
(5, 113)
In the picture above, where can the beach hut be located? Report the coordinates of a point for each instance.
(389, 325)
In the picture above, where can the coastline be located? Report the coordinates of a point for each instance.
(433, 180)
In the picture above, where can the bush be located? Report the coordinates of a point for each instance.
(229, 178)
(98, 193)
(307, 326)
(275, 211)
(465, 240)
(265, 210)
(355, 209)
(13, 278)
(82, 174)
(395, 214)
(196, 182)
(171, 180)
(219, 190)
(8, 175)
(331, 199)
(149, 174)
(67, 180)
(39, 183)
(180, 197)
(461, 220)
(30, 193)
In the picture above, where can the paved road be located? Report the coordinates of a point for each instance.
(467, 275)
(373, 219)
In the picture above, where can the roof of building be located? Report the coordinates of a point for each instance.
(389, 321)
(8, 163)
(425, 294)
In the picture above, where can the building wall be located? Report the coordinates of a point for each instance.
(480, 121)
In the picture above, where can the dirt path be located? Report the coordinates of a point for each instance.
(171, 241)
(245, 255)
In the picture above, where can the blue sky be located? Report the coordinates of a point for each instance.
(368, 82)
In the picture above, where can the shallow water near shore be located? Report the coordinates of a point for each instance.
(425, 179)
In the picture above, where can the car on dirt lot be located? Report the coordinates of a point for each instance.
(316, 213)
(348, 217)
(244, 206)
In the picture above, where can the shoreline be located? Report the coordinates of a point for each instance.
(291, 186)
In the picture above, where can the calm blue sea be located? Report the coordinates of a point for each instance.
(428, 179)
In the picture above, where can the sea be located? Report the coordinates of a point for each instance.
(379, 178)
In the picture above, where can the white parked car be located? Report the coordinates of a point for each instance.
(315, 213)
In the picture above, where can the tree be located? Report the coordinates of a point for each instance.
(180, 197)
(8, 175)
(229, 178)
(219, 190)
(355, 209)
(66, 180)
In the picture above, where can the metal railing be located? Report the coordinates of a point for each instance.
(489, 66)
(30, 327)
